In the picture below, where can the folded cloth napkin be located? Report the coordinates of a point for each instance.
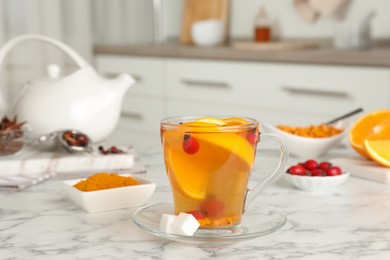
(23, 181)
(19, 182)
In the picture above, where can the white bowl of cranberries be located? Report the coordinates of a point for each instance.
(316, 176)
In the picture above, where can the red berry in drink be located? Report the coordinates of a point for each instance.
(318, 172)
(252, 136)
(333, 171)
(297, 170)
(190, 144)
(311, 165)
(197, 214)
(212, 207)
(325, 165)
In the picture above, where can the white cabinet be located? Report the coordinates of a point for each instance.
(293, 94)
(146, 71)
(143, 106)
(275, 93)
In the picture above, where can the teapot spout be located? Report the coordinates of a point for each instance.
(123, 82)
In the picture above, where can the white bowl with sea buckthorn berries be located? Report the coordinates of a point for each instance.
(310, 141)
(316, 176)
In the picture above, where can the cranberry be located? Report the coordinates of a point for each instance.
(325, 165)
(311, 165)
(212, 207)
(318, 172)
(297, 170)
(333, 171)
(111, 150)
(102, 151)
(252, 136)
(190, 144)
(197, 214)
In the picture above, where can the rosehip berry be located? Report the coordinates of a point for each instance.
(252, 136)
(325, 165)
(338, 169)
(190, 144)
(318, 172)
(335, 170)
(197, 214)
(297, 170)
(212, 207)
(311, 165)
(114, 149)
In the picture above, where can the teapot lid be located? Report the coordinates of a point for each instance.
(53, 71)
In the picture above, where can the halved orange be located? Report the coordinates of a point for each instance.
(372, 126)
(379, 151)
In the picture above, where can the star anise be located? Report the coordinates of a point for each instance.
(10, 135)
(7, 124)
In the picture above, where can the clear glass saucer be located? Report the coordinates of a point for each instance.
(259, 220)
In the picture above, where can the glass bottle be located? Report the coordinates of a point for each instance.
(263, 26)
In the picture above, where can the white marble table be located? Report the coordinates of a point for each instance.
(351, 222)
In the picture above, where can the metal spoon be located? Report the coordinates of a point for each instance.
(68, 139)
(75, 141)
(344, 116)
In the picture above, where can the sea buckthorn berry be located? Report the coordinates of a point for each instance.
(311, 165)
(190, 144)
(313, 131)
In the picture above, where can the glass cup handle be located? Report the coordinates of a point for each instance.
(275, 174)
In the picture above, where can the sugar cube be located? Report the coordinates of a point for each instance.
(185, 224)
(166, 223)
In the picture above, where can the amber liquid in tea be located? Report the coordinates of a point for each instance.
(208, 165)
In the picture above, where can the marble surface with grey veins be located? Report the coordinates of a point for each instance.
(350, 222)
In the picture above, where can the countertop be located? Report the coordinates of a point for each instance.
(323, 55)
(350, 222)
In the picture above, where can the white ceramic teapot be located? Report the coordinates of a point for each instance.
(82, 101)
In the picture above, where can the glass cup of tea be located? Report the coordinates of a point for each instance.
(209, 162)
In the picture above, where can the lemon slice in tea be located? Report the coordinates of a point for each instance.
(231, 121)
(211, 120)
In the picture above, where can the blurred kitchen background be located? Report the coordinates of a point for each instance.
(301, 84)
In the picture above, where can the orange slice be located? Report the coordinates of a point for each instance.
(235, 121)
(372, 126)
(211, 120)
(217, 151)
(379, 151)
